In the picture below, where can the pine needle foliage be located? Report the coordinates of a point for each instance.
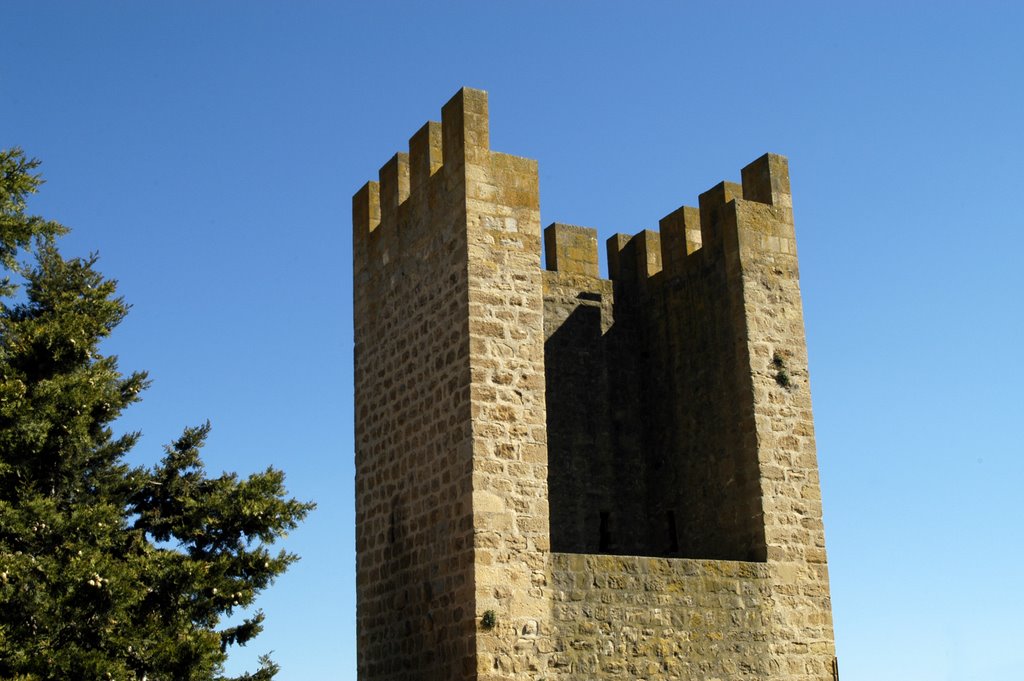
(107, 570)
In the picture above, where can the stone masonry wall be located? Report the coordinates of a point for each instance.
(509, 471)
(560, 476)
(414, 438)
(629, 617)
(760, 248)
(451, 458)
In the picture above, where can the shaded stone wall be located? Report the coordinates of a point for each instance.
(694, 360)
(702, 481)
(595, 480)
(644, 387)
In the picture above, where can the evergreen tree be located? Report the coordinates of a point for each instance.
(108, 571)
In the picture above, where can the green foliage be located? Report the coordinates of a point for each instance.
(489, 619)
(109, 571)
(781, 374)
(18, 230)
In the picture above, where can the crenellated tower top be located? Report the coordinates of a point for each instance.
(632, 259)
(436, 163)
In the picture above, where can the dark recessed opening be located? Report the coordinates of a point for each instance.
(673, 537)
(604, 541)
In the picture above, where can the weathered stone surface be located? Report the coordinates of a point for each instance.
(560, 476)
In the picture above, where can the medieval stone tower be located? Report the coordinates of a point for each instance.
(560, 476)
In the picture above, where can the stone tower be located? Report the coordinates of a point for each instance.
(560, 476)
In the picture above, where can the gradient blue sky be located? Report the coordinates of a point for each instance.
(209, 150)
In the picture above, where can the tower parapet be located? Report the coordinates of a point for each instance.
(563, 476)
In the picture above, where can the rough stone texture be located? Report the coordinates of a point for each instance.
(621, 473)
(414, 439)
(660, 618)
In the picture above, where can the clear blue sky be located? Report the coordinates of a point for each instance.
(209, 150)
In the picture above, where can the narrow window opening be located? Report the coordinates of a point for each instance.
(605, 535)
(673, 537)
